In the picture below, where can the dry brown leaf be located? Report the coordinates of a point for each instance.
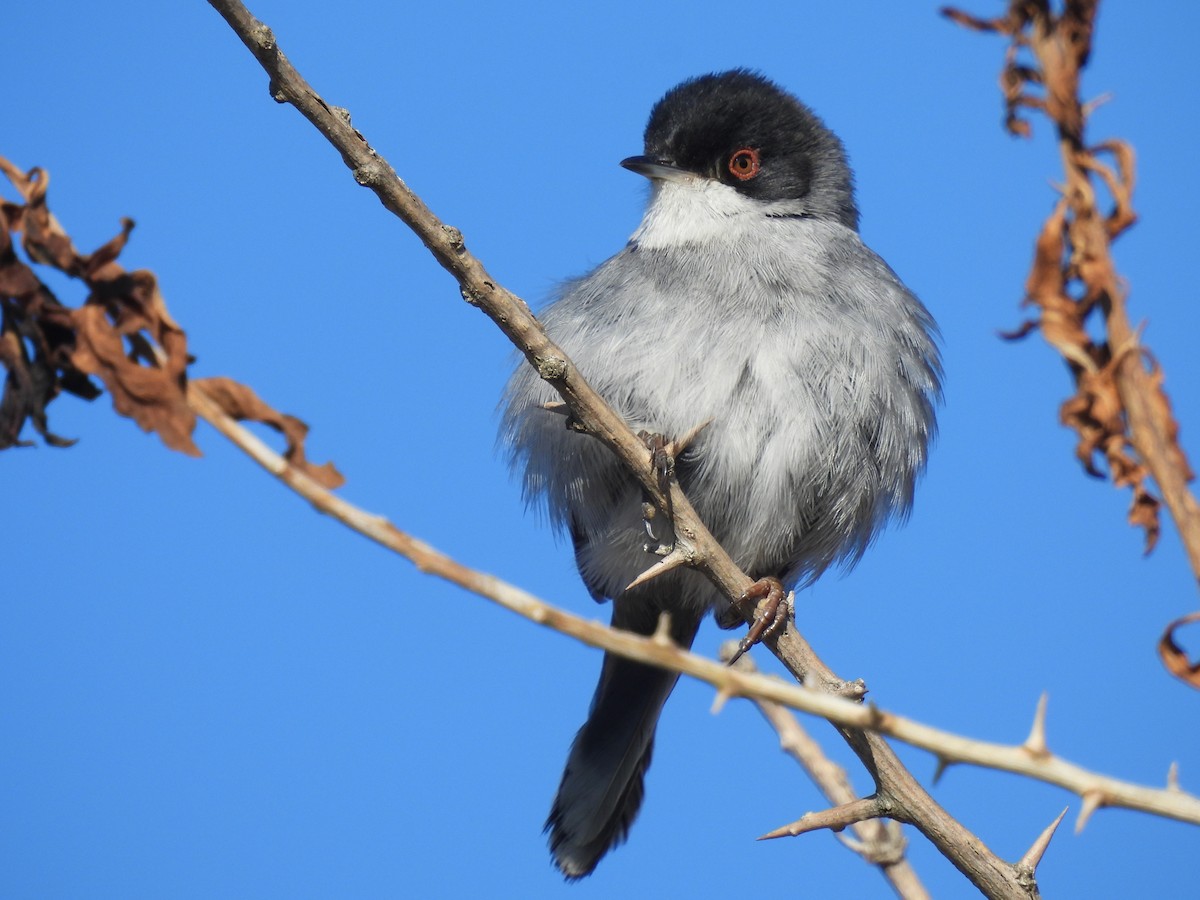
(18, 401)
(122, 334)
(1143, 513)
(1097, 415)
(35, 343)
(1120, 183)
(1062, 317)
(148, 395)
(240, 402)
(1174, 657)
(1095, 412)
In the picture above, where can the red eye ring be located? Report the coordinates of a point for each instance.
(744, 164)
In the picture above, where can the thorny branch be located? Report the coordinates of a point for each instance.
(1031, 758)
(1119, 411)
(909, 801)
(161, 364)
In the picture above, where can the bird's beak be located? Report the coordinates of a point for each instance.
(655, 169)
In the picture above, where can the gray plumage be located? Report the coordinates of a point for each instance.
(750, 301)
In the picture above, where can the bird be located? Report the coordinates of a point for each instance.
(744, 310)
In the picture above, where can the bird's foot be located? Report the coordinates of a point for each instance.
(770, 618)
(662, 457)
(663, 453)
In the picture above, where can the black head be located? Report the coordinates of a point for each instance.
(743, 130)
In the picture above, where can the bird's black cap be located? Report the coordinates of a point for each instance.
(702, 125)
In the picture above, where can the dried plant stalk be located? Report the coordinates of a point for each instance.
(1119, 411)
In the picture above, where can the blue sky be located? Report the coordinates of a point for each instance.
(208, 690)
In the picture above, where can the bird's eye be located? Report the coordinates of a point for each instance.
(744, 164)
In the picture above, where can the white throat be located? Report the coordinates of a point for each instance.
(691, 211)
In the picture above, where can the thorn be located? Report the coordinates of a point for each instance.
(835, 819)
(782, 831)
(942, 765)
(1033, 856)
(678, 445)
(662, 631)
(556, 406)
(1035, 744)
(1173, 777)
(672, 560)
(719, 701)
(1091, 803)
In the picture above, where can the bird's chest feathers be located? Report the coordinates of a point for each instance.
(712, 302)
(730, 331)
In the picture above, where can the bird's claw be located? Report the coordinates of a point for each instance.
(769, 619)
(662, 457)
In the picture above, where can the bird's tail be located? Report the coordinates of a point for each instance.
(601, 789)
